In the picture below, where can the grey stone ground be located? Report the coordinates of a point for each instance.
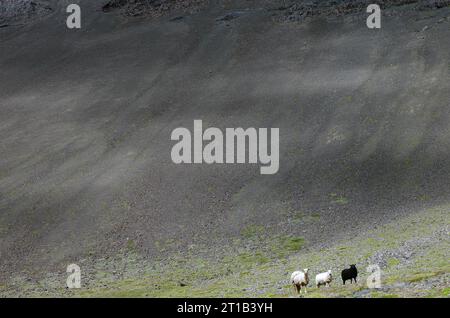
(86, 117)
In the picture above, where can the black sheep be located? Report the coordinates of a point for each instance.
(349, 273)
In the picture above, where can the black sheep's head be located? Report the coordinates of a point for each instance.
(353, 266)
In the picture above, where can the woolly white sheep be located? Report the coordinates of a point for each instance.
(324, 279)
(299, 279)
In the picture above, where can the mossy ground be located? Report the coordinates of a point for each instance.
(264, 271)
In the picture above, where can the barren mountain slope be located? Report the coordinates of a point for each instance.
(86, 117)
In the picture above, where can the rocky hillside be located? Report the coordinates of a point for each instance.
(86, 117)
(16, 12)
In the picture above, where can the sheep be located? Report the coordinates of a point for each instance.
(295, 274)
(349, 273)
(299, 279)
(324, 279)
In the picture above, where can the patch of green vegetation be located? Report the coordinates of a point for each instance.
(232, 270)
(291, 244)
(392, 262)
(232, 275)
(374, 243)
(131, 245)
(315, 215)
(338, 199)
(252, 259)
(438, 293)
(165, 244)
(434, 261)
(439, 253)
(417, 277)
(423, 197)
(252, 231)
(297, 216)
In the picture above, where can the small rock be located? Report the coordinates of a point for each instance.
(178, 18)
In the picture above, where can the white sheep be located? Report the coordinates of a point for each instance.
(299, 279)
(324, 279)
(295, 274)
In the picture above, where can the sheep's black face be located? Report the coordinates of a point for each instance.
(353, 266)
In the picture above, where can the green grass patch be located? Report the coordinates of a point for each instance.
(291, 244)
(392, 262)
(338, 199)
(253, 231)
(417, 277)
